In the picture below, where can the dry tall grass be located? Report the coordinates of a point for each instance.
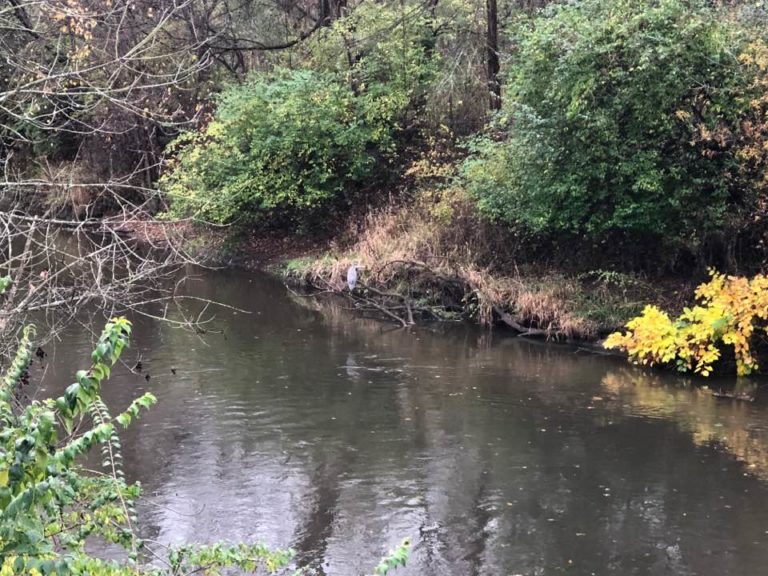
(437, 251)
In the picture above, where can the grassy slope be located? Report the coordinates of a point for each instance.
(446, 263)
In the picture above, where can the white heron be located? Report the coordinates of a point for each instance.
(352, 277)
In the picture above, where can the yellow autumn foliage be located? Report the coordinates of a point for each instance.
(9, 567)
(728, 311)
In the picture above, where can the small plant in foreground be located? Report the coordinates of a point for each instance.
(730, 309)
(50, 505)
(394, 559)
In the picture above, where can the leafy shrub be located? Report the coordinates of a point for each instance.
(386, 51)
(290, 145)
(296, 145)
(729, 311)
(620, 116)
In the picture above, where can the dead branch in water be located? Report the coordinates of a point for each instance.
(57, 267)
(388, 304)
(401, 307)
(527, 331)
(383, 309)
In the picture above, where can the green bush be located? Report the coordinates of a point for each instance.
(386, 51)
(289, 145)
(293, 146)
(619, 118)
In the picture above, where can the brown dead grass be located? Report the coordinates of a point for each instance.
(62, 195)
(437, 243)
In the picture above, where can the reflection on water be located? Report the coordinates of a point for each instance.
(301, 426)
(737, 427)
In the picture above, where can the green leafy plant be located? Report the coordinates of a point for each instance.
(50, 505)
(619, 118)
(394, 559)
(285, 145)
(295, 146)
(387, 52)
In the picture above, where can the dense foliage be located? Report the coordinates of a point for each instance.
(386, 52)
(730, 311)
(292, 146)
(625, 117)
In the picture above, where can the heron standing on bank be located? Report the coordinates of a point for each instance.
(352, 277)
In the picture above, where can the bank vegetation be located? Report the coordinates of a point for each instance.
(552, 166)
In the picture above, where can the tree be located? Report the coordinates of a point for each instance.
(492, 50)
(620, 121)
(298, 147)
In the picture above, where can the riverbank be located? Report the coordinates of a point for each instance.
(432, 260)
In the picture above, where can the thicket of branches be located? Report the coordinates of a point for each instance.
(92, 93)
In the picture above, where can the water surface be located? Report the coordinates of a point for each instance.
(302, 426)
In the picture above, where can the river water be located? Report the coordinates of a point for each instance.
(300, 425)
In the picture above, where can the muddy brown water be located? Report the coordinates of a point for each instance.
(302, 425)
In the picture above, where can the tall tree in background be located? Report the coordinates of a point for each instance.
(492, 54)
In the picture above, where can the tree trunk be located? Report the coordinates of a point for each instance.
(492, 54)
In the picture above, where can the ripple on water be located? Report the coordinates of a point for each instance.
(495, 456)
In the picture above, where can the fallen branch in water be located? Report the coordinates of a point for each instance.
(470, 294)
(361, 302)
(357, 297)
(527, 331)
